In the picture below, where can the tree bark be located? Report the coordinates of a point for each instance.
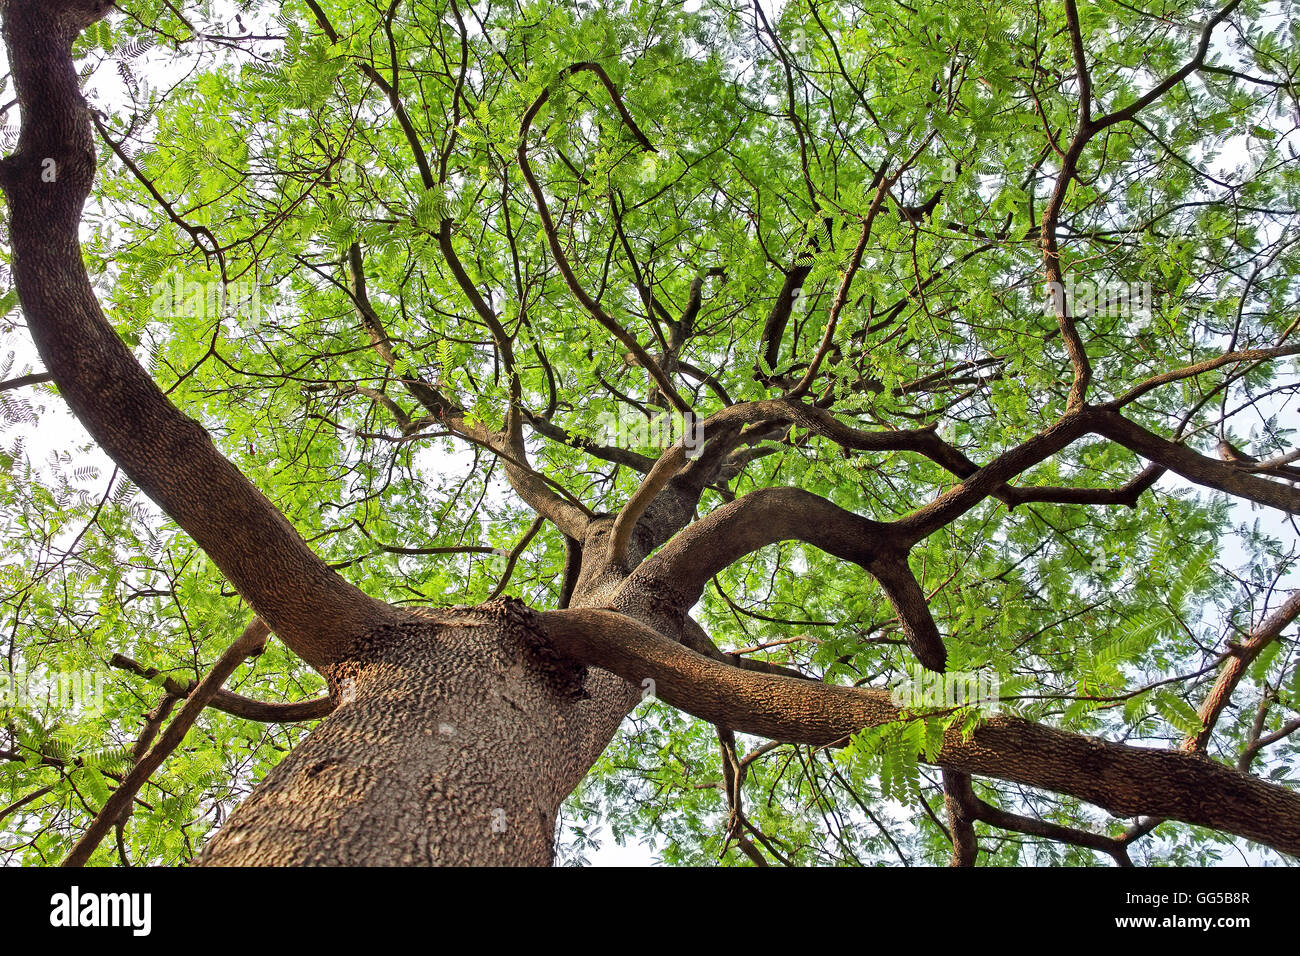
(454, 743)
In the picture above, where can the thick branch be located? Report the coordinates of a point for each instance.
(1195, 467)
(1126, 781)
(686, 563)
(959, 801)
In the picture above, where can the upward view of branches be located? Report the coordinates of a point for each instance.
(650, 422)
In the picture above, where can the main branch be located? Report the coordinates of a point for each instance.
(1126, 781)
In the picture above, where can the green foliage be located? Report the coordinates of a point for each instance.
(285, 151)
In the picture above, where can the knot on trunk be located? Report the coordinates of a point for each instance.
(515, 619)
(565, 675)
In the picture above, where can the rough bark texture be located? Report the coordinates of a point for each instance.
(454, 743)
(458, 735)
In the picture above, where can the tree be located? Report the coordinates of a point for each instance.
(814, 376)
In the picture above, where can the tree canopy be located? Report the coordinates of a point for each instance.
(1012, 287)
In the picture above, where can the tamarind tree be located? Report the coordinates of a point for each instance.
(503, 420)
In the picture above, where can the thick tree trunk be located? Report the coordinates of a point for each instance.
(459, 734)
(455, 743)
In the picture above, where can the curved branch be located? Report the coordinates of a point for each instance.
(237, 705)
(1186, 70)
(924, 441)
(779, 317)
(663, 471)
(1255, 746)
(685, 564)
(1200, 368)
(572, 569)
(959, 789)
(513, 557)
(167, 454)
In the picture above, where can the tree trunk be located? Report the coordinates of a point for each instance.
(455, 742)
(459, 734)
